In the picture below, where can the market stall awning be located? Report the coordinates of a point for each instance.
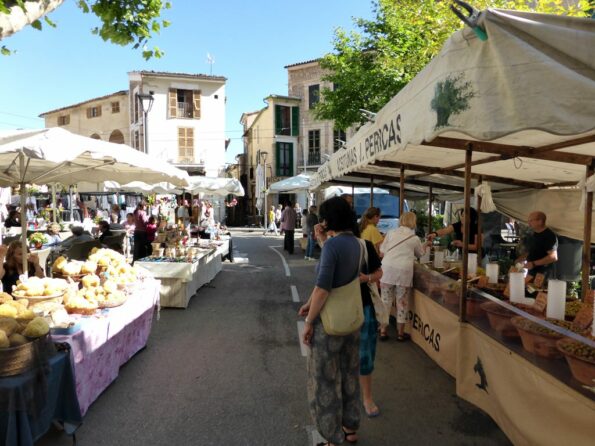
(215, 186)
(298, 183)
(143, 188)
(56, 155)
(522, 100)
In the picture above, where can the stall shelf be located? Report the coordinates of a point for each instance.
(534, 400)
(107, 341)
(180, 281)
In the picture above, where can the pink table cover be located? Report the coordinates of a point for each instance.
(107, 342)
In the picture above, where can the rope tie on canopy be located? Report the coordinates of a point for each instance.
(484, 191)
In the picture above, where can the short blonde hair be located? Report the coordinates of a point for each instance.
(408, 219)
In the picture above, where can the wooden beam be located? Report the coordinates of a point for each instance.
(414, 182)
(479, 241)
(565, 144)
(430, 201)
(402, 191)
(467, 222)
(586, 286)
(459, 174)
(509, 151)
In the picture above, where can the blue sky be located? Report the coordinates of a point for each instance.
(250, 42)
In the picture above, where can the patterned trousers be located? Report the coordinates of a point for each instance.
(333, 383)
(390, 293)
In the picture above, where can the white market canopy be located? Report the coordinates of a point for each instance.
(522, 101)
(143, 188)
(215, 186)
(298, 183)
(56, 155)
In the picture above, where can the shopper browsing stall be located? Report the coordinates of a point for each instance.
(459, 230)
(11, 265)
(542, 247)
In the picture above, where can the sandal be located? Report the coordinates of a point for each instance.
(350, 434)
(383, 337)
(404, 337)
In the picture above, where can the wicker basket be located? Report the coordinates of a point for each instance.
(17, 360)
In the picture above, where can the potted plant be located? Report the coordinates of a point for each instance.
(37, 240)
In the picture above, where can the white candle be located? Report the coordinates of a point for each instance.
(438, 259)
(556, 299)
(517, 287)
(492, 271)
(472, 264)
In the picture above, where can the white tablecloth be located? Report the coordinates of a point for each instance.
(180, 281)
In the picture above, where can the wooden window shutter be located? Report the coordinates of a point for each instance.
(89, 113)
(99, 110)
(181, 141)
(295, 121)
(196, 104)
(291, 159)
(278, 119)
(190, 142)
(172, 102)
(278, 158)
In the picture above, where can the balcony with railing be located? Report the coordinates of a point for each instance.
(313, 158)
(185, 110)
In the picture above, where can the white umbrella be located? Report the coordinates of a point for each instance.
(143, 188)
(291, 185)
(215, 186)
(56, 155)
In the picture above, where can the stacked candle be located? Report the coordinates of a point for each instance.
(438, 259)
(517, 287)
(492, 271)
(472, 264)
(556, 299)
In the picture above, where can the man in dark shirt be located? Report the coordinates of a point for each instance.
(542, 246)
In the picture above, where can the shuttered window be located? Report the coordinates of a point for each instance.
(64, 120)
(284, 152)
(115, 107)
(185, 144)
(287, 120)
(313, 95)
(94, 112)
(183, 104)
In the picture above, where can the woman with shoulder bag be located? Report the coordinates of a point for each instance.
(399, 249)
(334, 316)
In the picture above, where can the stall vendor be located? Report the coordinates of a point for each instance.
(542, 247)
(458, 229)
(11, 265)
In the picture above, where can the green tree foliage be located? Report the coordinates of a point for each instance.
(369, 67)
(123, 22)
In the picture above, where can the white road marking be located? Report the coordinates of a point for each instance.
(287, 272)
(304, 348)
(294, 294)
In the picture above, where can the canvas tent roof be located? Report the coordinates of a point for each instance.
(523, 99)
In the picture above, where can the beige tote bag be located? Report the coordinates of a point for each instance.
(343, 311)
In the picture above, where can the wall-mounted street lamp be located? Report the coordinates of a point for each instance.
(263, 160)
(146, 103)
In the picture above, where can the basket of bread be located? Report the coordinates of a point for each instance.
(22, 335)
(36, 289)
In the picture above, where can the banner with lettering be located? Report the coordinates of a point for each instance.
(485, 90)
(435, 330)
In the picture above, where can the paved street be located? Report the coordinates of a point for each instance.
(229, 370)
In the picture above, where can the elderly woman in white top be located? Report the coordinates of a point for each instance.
(399, 249)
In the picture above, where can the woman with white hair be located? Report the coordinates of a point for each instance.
(399, 248)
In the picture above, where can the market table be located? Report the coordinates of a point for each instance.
(181, 280)
(533, 400)
(28, 405)
(106, 342)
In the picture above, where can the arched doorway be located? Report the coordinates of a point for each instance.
(116, 137)
(95, 136)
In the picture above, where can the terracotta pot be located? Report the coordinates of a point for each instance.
(451, 297)
(499, 318)
(473, 307)
(38, 245)
(582, 369)
(540, 344)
